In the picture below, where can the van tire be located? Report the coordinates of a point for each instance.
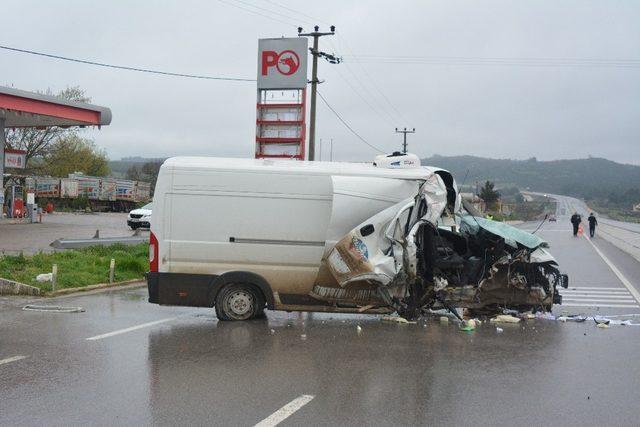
(239, 301)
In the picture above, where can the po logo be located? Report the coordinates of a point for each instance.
(286, 62)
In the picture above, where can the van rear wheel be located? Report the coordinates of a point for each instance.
(239, 301)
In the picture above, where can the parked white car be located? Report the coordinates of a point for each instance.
(140, 218)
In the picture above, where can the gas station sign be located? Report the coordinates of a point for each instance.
(282, 63)
(16, 159)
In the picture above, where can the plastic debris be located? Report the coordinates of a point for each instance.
(359, 329)
(53, 309)
(545, 316)
(303, 337)
(467, 326)
(44, 277)
(396, 319)
(444, 319)
(602, 325)
(473, 322)
(499, 330)
(505, 318)
(273, 331)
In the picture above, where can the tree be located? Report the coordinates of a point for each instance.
(36, 142)
(489, 194)
(148, 172)
(72, 153)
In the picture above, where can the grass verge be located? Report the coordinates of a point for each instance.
(78, 268)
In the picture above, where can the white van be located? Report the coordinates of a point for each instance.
(314, 236)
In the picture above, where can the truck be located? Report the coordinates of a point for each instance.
(382, 237)
(110, 194)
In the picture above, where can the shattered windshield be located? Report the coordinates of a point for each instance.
(511, 235)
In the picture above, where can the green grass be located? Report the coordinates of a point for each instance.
(77, 268)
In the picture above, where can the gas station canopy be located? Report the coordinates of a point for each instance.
(20, 108)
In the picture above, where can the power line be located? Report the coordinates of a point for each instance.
(256, 13)
(372, 81)
(524, 58)
(272, 12)
(347, 125)
(123, 67)
(298, 12)
(496, 61)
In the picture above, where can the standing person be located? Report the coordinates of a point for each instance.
(592, 224)
(575, 220)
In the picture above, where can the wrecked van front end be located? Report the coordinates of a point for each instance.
(430, 252)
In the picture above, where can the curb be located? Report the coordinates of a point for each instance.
(81, 289)
(9, 287)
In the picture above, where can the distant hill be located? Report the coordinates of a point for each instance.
(587, 178)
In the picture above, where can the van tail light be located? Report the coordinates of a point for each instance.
(153, 253)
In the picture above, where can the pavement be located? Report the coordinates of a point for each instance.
(33, 238)
(124, 361)
(624, 235)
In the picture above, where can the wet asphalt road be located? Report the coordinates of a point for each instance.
(192, 369)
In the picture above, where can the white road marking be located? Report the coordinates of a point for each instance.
(620, 292)
(615, 270)
(602, 300)
(133, 328)
(600, 305)
(589, 288)
(12, 359)
(286, 411)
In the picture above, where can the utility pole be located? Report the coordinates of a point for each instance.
(405, 132)
(331, 151)
(316, 34)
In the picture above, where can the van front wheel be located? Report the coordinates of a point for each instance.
(238, 301)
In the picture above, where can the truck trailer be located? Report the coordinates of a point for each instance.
(383, 237)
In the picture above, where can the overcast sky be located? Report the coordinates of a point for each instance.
(509, 79)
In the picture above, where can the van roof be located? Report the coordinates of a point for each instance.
(297, 167)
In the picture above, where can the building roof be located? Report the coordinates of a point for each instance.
(20, 108)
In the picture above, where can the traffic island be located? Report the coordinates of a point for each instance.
(73, 270)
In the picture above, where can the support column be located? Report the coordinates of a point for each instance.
(2, 146)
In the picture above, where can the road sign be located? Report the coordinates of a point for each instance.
(15, 159)
(282, 63)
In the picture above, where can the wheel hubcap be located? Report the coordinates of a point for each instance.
(240, 303)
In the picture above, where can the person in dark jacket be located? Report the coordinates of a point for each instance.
(575, 220)
(592, 224)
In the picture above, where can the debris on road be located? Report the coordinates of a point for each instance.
(505, 318)
(397, 319)
(499, 330)
(53, 309)
(467, 326)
